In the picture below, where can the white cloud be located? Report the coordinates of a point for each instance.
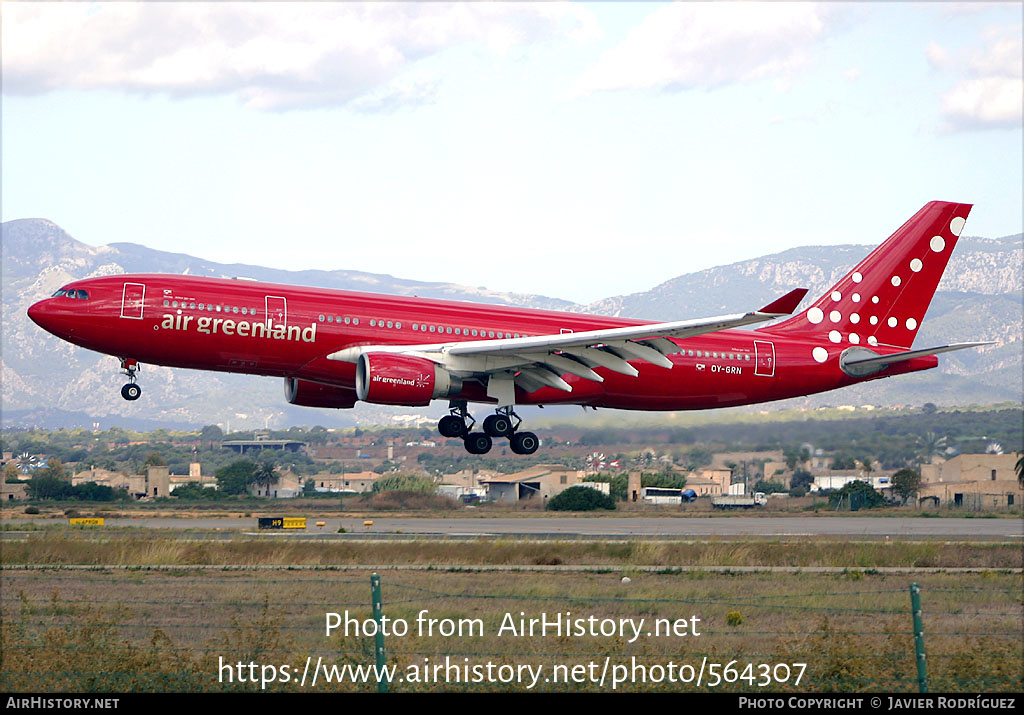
(269, 55)
(991, 96)
(687, 45)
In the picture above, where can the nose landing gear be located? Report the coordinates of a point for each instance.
(503, 424)
(130, 391)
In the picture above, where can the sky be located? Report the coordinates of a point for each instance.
(578, 151)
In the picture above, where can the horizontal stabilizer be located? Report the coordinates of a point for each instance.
(786, 304)
(864, 362)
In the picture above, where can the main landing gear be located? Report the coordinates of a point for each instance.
(130, 391)
(503, 424)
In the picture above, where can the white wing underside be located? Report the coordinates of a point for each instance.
(541, 361)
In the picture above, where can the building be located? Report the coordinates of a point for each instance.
(360, 482)
(288, 486)
(839, 478)
(534, 485)
(710, 482)
(972, 481)
(12, 492)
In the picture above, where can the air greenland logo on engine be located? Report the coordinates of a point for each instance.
(242, 328)
(420, 381)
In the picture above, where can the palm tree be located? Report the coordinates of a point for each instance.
(265, 475)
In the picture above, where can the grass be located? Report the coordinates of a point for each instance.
(149, 549)
(168, 631)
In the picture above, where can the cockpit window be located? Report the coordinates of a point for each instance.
(71, 293)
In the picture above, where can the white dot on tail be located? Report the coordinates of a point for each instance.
(874, 299)
(837, 296)
(820, 354)
(857, 277)
(854, 338)
(856, 297)
(911, 324)
(937, 244)
(872, 340)
(835, 337)
(916, 265)
(815, 315)
(854, 318)
(835, 316)
(874, 320)
(957, 225)
(896, 280)
(892, 322)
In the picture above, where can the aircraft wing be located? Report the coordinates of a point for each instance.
(541, 360)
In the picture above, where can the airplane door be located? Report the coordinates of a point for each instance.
(277, 310)
(132, 300)
(764, 358)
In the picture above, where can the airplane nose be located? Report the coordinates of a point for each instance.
(45, 316)
(35, 313)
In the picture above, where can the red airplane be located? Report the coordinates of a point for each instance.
(336, 347)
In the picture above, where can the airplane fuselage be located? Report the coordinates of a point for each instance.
(243, 326)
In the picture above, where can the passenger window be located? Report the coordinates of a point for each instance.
(347, 321)
(355, 321)
(398, 326)
(373, 323)
(391, 324)
(448, 330)
(167, 303)
(474, 333)
(433, 329)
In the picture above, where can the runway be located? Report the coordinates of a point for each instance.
(606, 527)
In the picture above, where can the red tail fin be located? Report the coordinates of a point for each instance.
(883, 300)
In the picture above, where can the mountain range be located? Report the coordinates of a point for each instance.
(50, 383)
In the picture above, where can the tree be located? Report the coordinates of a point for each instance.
(905, 484)
(211, 434)
(49, 487)
(581, 499)
(404, 483)
(801, 479)
(264, 475)
(770, 487)
(11, 472)
(236, 477)
(53, 469)
(858, 494)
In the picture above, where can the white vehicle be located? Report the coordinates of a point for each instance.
(739, 502)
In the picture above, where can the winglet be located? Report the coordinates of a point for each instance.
(786, 304)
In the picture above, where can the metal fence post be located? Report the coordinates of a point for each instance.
(922, 667)
(378, 616)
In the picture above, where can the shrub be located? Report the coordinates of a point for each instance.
(581, 499)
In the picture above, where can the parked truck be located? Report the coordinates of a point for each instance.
(739, 502)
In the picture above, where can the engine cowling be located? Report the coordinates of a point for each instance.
(389, 379)
(312, 394)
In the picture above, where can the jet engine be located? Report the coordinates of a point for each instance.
(312, 394)
(390, 379)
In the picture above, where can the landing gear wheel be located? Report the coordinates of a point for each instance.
(131, 391)
(524, 443)
(478, 443)
(498, 426)
(451, 426)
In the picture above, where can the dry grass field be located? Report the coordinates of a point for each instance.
(163, 613)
